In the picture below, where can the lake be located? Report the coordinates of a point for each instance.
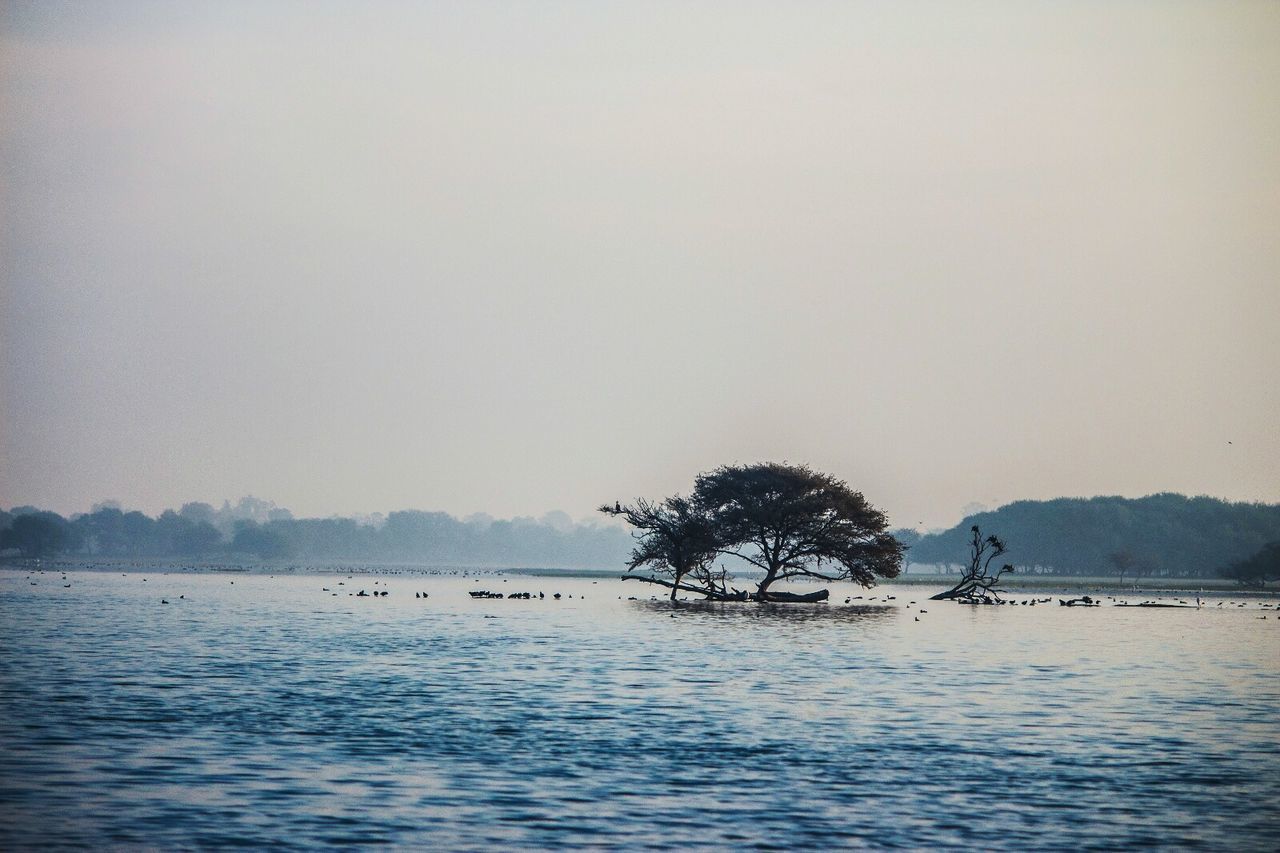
(266, 711)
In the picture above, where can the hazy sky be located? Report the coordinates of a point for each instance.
(514, 257)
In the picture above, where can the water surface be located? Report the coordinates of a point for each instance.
(266, 711)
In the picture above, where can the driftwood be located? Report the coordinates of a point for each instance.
(736, 594)
(1083, 601)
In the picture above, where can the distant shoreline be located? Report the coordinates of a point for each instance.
(1039, 583)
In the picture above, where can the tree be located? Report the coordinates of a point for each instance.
(266, 543)
(103, 531)
(1123, 560)
(200, 538)
(1170, 534)
(38, 534)
(977, 583)
(198, 511)
(674, 540)
(790, 521)
(908, 536)
(180, 534)
(140, 532)
(1126, 562)
(1255, 571)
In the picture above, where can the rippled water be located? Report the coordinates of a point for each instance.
(269, 712)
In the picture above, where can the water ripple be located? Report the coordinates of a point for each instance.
(270, 713)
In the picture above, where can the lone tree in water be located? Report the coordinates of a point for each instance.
(787, 520)
(977, 583)
(790, 521)
(673, 539)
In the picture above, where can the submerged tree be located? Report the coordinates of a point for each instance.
(977, 583)
(790, 521)
(787, 520)
(673, 540)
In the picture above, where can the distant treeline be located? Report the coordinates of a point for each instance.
(258, 529)
(1164, 535)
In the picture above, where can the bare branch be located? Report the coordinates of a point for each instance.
(978, 575)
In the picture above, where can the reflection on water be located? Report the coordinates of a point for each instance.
(768, 611)
(271, 712)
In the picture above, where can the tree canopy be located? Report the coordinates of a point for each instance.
(38, 534)
(673, 538)
(200, 530)
(1258, 570)
(789, 521)
(1169, 535)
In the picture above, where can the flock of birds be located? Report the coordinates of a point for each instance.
(1192, 602)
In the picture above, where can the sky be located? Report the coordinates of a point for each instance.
(516, 257)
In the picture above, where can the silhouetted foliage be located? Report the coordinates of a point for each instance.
(38, 534)
(906, 535)
(103, 532)
(673, 539)
(251, 538)
(1126, 562)
(787, 520)
(1171, 535)
(790, 521)
(1257, 570)
(1123, 560)
(179, 534)
(198, 512)
(434, 538)
(977, 582)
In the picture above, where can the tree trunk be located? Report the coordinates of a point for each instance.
(762, 590)
(955, 592)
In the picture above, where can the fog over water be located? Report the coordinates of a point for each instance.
(511, 259)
